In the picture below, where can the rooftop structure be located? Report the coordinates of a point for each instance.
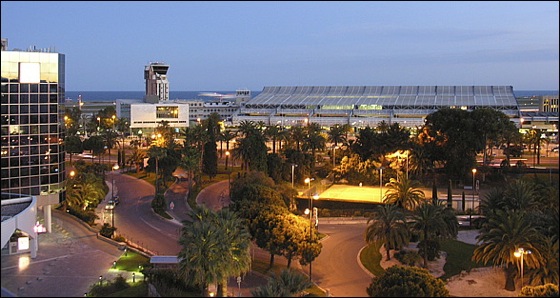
(369, 105)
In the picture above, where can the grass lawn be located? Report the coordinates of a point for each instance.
(458, 258)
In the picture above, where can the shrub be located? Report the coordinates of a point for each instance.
(546, 290)
(408, 257)
(107, 230)
(433, 249)
(401, 281)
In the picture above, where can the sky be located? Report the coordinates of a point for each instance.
(214, 46)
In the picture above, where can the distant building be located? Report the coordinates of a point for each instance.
(145, 117)
(157, 85)
(32, 159)
(361, 106)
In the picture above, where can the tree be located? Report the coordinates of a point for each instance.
(388, 226)
(215, 246)
(404, 193)
(401, 281)
(73, 145)
(501, 236)
(451, 136)
(289, 283)
(336, 134)
(431, 223)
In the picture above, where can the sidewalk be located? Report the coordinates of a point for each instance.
(68, 262)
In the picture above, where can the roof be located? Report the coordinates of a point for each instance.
(164, 260)
(385, 96)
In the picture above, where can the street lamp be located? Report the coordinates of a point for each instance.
(381, 183)
(473, 177)
(520, 252)
(293, 166)
(310, 211)
(334, 156)
(227, 156)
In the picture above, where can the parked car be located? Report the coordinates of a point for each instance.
(116, 199)
(110, 205)
(555, 149)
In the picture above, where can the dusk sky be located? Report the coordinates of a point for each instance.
(215, 46)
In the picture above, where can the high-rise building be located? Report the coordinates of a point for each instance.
(157, 86)
(32, 131)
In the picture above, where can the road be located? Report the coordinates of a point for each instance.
(136, 221)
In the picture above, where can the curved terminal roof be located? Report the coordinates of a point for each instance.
(365, 97)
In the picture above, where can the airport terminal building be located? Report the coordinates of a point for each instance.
(361, 106)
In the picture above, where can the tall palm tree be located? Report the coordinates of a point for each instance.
(404, 192)
(235, 245)
(502, 235)
(157, 153)
(273, 134)
(429, 223)
(215, 247)
(298, 134)
(336, 134)
(388, 225)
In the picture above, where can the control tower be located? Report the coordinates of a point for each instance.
(157, 85)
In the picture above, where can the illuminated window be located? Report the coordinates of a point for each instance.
(167, 112)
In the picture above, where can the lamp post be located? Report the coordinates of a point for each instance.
(310, 211)
(334, 156)
(293, 166)
(227, 156)
(381, 183)
(473, 177)
(520, 252)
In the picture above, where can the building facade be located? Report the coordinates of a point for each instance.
(32, 131)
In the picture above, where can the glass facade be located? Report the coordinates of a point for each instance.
(33, 92)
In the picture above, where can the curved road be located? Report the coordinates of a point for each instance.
(336, 269)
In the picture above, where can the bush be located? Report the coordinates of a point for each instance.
(107, 230)
(105, 289)
(433, 249)
(87, 216)
(546, 290)
(408, 257)
(401, 281)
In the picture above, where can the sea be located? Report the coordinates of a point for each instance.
(100, 96)
(111, 96)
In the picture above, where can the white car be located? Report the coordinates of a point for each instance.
(110, 205)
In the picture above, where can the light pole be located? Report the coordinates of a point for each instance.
(381, 183)
(227, 156)
(310, 212)
(473, 177)
(293, 166)
(520, 252)
(334, 156)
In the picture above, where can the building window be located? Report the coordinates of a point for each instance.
(167, 112)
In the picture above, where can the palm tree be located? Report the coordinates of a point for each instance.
(297, 134)
(157, 153)
(336, 134)
(502, 235)
(388, 226)
(235, 255)
(404, 192)
(215, 247)
(429, 222)
(273, 133)
(288, 283)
